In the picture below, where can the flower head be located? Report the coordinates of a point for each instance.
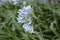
(23, 15)
(24, 3)
(25, 18)
(28, 28)
(15, 2)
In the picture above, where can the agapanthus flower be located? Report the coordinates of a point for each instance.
(15, 2)
(25, 18)
(28, 28)
(23, 15)
(24, 3)
(25, 11)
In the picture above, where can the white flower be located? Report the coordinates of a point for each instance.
(20, 20)
(27, 9)
(15, 2)
(28, 28)
(23, 15)
(24, 3)
(25, 18)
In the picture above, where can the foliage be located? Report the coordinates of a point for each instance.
(45, 17)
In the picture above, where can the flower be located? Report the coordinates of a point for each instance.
(15, 2)
(24, 3)
(23, 15)
(26, 10)
(25, 18)
(28, 28)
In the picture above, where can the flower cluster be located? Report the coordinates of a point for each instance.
(15, 2)
(25, 18)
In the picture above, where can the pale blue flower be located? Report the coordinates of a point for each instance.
(25, 11)
(27, 8)
(25, 18)
(15, 2)
(20, 20)
(24, 3)
(28, 28)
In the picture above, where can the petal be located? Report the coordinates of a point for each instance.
(28, 28)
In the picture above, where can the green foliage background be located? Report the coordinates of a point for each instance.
(45, 19)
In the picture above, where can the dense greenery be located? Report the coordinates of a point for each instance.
(45, 19)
